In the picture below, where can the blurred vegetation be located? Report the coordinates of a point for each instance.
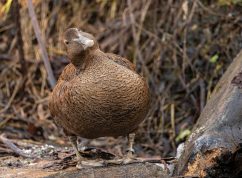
(181, 47)
(230, 2)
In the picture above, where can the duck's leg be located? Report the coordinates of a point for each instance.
(80, 160)
(73, 140)
(129, 157)
(130, 151)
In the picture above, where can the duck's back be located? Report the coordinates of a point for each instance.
(105, 99)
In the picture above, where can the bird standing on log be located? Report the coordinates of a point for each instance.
(98, 94)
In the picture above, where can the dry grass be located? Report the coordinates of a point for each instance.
(181, 47)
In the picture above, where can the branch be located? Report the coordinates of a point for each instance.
(14, 148)
(51, 78)
(19, 36)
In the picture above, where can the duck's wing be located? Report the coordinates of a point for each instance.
(68, 73)
(61, 89)
(122, 61)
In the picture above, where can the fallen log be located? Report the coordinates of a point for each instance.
(32, 159)
(132, 170)
(215, 145)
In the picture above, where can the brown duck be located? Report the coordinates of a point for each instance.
(98, 94)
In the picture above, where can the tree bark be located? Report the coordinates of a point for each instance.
(138, 170)
(214, 147)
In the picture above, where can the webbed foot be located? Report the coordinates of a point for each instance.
(89, 163)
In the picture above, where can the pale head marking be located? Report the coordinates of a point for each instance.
(86, 42)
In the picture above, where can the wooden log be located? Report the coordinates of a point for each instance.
(21, 158)
(138, 170)
(214, 147)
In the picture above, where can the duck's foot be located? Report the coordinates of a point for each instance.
(98, 163)
(89, 163)
(129, 160)
(123, 161)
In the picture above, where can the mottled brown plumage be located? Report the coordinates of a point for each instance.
(98, 94)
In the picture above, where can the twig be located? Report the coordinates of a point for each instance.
(4, 122)
(136, 40)
(5, 57)
(13, 147)
(136, 36)
(44, 54)
(16, 15)
(18, 85)
(202, 94)
(173, 125)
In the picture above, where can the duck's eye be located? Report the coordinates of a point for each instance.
(66, 42)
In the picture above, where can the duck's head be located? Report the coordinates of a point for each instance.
(79, 44)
